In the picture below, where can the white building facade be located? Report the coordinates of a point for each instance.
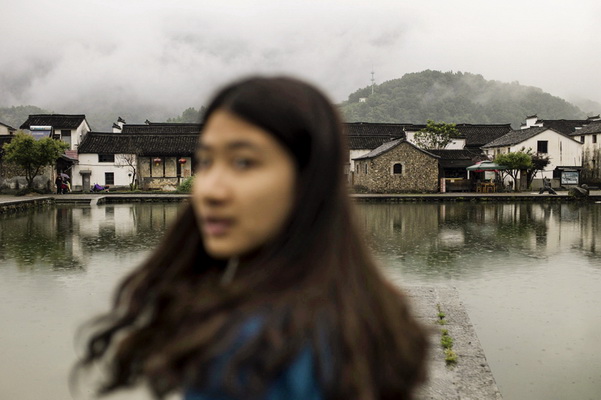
(563, 151)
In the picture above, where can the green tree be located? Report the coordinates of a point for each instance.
(514, 162)
(33, 155)
(436, 135)
(539, 163)
(190, 115)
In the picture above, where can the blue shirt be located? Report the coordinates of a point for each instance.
(298, 381)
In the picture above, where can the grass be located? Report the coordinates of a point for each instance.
(446, 341)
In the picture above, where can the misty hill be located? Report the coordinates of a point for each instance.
(414, 98)
(455, 97)
(15, 116)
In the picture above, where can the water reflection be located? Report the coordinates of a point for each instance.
(528, 273)
(65, 237)
(435, 239)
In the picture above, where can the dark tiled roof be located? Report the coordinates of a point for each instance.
(10, 128)
(365, 135)
(142, 145)
(368, 128)
(517, 136)
(479, 135)
(565, 126)
(368, 142)
(154, 128)
(389, 146)
(475, 135)
(459, 154)
(593, 127)
(458, 158)
(57, 121)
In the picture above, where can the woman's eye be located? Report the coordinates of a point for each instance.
(203, 162)
(243, 163)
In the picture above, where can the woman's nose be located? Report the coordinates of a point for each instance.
(215, 185)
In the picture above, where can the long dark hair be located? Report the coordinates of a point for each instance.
(315, 284)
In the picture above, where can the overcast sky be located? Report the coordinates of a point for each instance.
(65, 54)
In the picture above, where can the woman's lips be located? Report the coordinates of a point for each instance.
(216, 226)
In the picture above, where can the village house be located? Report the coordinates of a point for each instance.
(363, 137)
(153, 156)
(6, 135)
(590, 137)
(463, 151)
(6, 130)
(565, 153)
(565, 126)
(397, 166)
(69, 128)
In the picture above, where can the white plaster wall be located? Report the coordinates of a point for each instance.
(78, 134)
(562, 150)
(99, 217)
(588, 144)
(355, 154)
(90, 162)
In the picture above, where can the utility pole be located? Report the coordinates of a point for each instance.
(373, 81)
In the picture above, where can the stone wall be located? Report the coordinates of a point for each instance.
(12, 178)
(591, 170)
(419, 171)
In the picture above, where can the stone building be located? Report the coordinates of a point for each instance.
(397, 166)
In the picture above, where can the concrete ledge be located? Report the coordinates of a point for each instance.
(18, 204)
(471, 377)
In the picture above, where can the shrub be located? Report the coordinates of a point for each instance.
(185, 186)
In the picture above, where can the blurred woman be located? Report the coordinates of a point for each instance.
(263, 288)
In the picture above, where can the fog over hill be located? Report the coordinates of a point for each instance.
(414, 98)
(457, 97)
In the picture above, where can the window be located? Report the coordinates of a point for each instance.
(109, 178)
(581, 139)
(106, 158)
(397, 169)
(366, 167)
(542, 146)
(594, 138)
(66, 136)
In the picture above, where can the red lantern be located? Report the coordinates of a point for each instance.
(157, 161)
(182, 160)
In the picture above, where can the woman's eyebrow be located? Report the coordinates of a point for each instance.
(235, 145)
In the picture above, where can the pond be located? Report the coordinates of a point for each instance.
(529, 275)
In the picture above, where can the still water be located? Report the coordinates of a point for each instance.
(528, 274)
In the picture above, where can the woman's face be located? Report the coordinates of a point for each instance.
(243, 188)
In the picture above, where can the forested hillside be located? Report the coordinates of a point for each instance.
(454, 97)
(15, 116)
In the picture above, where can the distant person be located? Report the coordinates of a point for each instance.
(547, 187)
(263, 288)
(59, 184)
(99, 188)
